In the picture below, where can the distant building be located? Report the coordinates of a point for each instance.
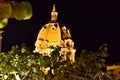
(115, 69)
(55, 34)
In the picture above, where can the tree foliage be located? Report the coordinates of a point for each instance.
(20, 63)
(11, 9)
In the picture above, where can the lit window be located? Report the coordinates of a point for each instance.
(53, 27)
(44, 27)
(119, 72)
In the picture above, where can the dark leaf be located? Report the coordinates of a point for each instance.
(5, 10)
(21, 10)
(3, 23)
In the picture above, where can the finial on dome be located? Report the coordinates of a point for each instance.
(54, 13)
(54, 9)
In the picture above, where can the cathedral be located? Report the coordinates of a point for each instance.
(55, 34)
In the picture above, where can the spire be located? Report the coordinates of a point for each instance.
(54, 13)
(54, 9)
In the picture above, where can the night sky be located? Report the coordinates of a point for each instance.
(92, 23)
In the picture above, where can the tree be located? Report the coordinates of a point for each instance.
(11, 9)
(21, 63)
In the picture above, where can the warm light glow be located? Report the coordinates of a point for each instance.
(50, 33)
(1, 39)
(54, 14)
(115, 69)
(56, 35)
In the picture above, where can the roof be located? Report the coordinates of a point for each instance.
(54, 30)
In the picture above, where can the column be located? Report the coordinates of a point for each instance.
(1, 39)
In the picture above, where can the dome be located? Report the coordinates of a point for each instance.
(54, 31)
(55, 34)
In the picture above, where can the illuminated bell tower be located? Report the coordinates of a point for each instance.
(55, 33)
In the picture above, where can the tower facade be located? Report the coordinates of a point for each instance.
(55, 34)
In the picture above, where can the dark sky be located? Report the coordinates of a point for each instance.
(92, 23)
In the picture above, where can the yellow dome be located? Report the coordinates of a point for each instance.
(55, 34)
(54, 31)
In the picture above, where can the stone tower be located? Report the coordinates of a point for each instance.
(55, 33)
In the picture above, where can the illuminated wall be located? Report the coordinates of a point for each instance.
(115, 69)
